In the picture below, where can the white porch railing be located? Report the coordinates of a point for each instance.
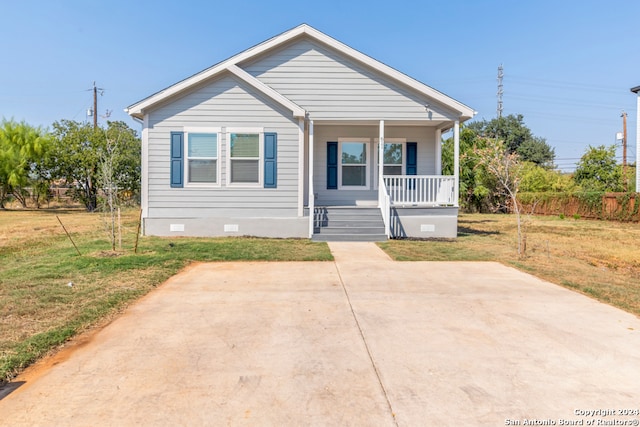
(421, 190)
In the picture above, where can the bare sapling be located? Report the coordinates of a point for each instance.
(506, 168)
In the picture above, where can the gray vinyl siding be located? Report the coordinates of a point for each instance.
(224, 103)
(425, 137)
(333, 87)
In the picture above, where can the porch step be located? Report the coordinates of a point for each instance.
(348, 224)
(349, 238)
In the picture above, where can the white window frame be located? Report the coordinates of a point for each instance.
(260, 132)
(366, 141)
(206, 130)
(402, 141)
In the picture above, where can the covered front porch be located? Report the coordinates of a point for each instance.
(393, 166)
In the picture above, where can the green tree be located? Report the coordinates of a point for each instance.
(537, 151)
(536, 179)
(477, 186)
(598, 171)
(517, 138)
(79, 151)
(24, 150)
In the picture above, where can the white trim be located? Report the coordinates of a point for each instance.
(144, 168)
(301, 166)
(380, 160)
(202, 130)
(137, 109)
(438, 152)
(311, 193)
(456, 161)
(260, 132)
(367, 164)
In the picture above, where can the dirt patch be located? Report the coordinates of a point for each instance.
(107, 254)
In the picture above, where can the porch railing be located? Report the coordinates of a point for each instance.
(421, 190)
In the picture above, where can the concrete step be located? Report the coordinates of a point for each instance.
(349, 238)
(351, 230)
(342, 222)
(349, 217)
(349, 208)
(349, 224)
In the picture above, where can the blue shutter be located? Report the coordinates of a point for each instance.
(270, 160)
(177, 159)
(332, 165)
(412, 158)
(412, 163)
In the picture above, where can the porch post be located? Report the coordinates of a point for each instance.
(438, 151)
(301, 167)
(144, 178)
(456, 160)
(311, 194)
(381, 163)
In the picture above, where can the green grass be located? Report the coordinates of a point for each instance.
(39, 311)
(597, 258)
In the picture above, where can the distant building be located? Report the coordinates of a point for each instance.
(636, 90)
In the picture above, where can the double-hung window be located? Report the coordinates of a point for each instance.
(245, 147)
(354, 164)
(202, 150)
(393, 157)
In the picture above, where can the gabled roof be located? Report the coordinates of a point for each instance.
(635, 89)
(230, 65)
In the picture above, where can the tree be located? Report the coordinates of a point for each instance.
(537, 151)
(517, 138)
(477, 186)
(24, 150)
(506, 168)
(75, 159)
(598, 171)
(119, 169)
(124, 146)
(78, 153)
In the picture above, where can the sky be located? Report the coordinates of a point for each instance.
(568, 65)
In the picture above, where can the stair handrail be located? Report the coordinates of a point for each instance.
(384, 202)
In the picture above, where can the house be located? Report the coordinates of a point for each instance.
(299, 136)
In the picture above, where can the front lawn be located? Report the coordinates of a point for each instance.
(597, 258)
(48, 293)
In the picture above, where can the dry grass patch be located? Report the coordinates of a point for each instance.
(597, 258)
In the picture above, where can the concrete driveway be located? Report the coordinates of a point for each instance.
(364, 341)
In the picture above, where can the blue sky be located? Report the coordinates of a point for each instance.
(568, 65)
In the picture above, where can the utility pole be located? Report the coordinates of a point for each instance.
(624, 149)
(95, 104)
(500, 91)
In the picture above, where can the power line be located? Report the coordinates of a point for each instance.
(566, 84)
(560, 101)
